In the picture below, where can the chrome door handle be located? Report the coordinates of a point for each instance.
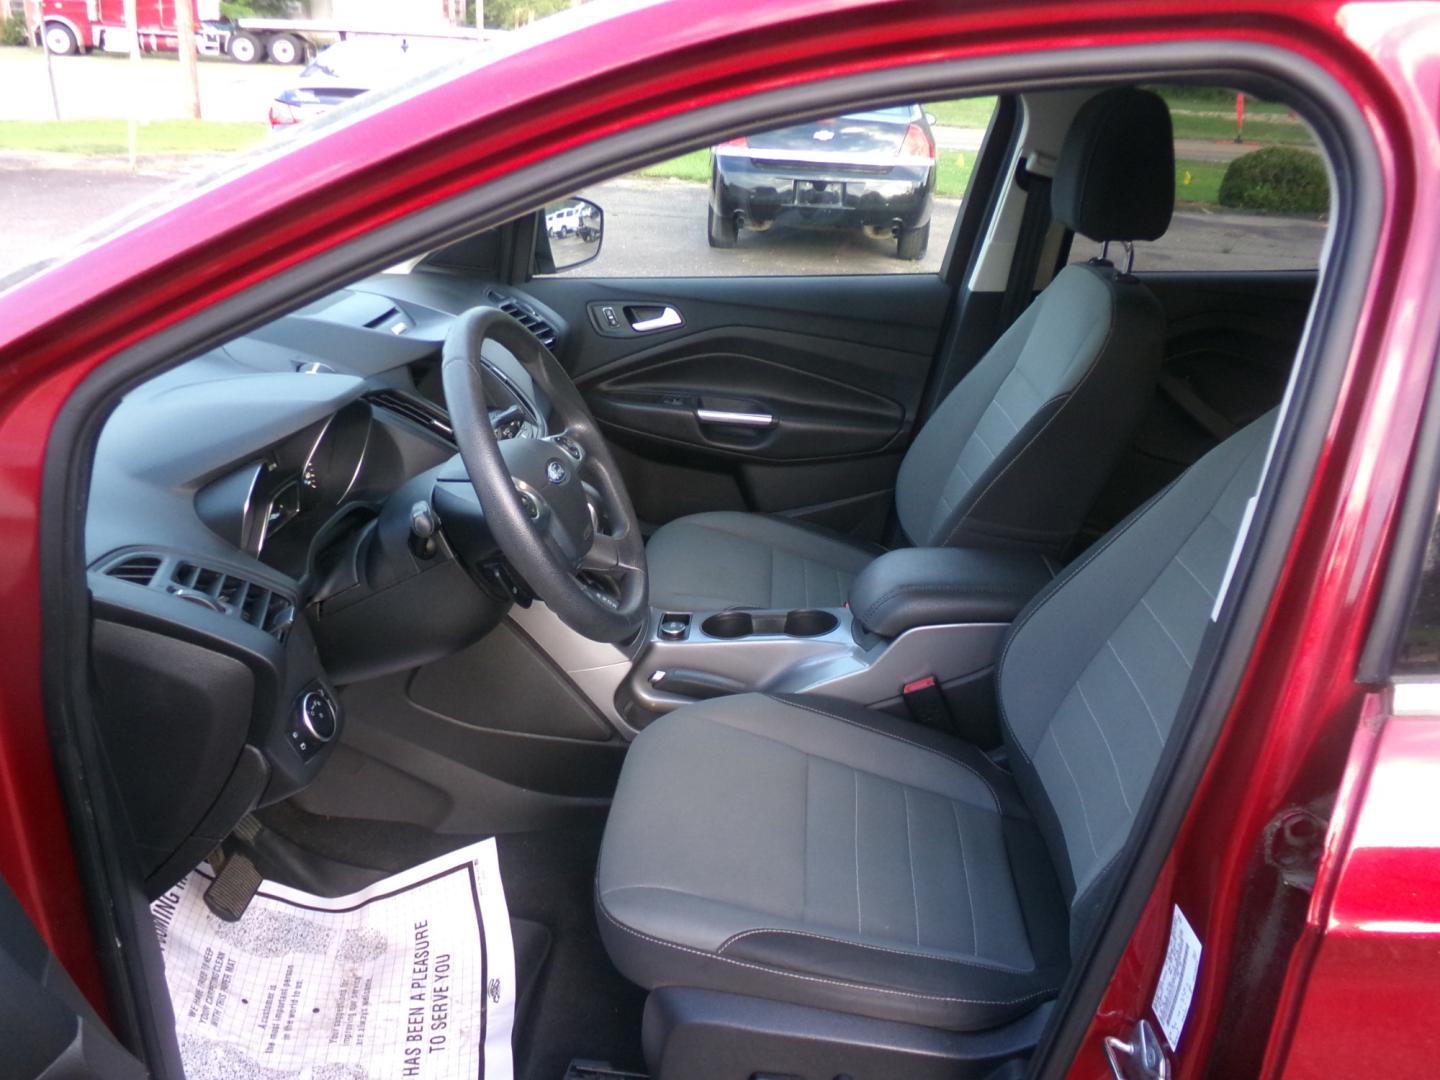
(737, 419)
(667, 318)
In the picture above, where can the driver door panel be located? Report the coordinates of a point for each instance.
(47, 1027)
(789, 395)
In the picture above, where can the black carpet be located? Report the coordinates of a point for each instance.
(577, 1005)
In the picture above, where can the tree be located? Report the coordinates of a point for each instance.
(508, 14)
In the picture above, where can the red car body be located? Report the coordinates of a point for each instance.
(1358, 993)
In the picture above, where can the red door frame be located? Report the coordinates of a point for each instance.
(609, 76)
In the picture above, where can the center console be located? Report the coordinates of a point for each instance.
(931, 615)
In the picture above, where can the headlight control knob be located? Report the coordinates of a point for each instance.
(317, 716)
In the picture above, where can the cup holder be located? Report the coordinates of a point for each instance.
(728, 625)
(811, 623)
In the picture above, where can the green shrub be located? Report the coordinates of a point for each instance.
(1278, 178)
(13, 32)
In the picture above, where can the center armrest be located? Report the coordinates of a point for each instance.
(934, 586)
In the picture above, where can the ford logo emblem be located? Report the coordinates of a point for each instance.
(555, 472)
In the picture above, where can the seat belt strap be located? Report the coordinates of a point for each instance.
(1034, 226)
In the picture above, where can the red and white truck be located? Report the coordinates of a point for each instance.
(74, 26)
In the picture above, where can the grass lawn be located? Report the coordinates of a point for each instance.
(1215, 99)
(112, 136)
(1198, 182)
(965, 113)
(1260, 130)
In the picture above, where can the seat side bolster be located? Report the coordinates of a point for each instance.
(971, 1000)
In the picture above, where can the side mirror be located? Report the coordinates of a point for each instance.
(570, 235)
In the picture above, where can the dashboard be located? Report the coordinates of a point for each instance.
(238, 546)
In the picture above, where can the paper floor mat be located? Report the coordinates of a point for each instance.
(410, 979)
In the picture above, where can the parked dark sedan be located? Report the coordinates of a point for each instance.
(872, 170)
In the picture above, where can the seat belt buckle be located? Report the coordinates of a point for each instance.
(925, 702)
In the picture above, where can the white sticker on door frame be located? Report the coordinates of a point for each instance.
(1176, 985)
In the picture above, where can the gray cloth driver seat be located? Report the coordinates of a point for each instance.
(804, 851)
(1016, 453)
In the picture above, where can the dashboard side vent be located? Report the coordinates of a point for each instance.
(415, 409)
(526, 318)
(220, 591)
(229, 594)
(139, 569)
(382, 318)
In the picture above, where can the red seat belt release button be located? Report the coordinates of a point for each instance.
(925, 702)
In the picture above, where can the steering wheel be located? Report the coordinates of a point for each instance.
(546, 499)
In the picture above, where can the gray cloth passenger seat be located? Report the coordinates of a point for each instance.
(1015, 454)
(802, 850)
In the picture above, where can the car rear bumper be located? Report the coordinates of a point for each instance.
(834, 198)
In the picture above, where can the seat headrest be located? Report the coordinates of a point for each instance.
(1116, 176)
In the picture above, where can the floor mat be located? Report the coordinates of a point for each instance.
(582, 1007)
(412, 977)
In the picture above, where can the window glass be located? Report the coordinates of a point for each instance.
(1420, 650)
(1251, 191)
(871, 192)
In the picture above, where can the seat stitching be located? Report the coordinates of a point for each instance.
(976, 963)
(747, 733)
(1037, 995)
(1079, 792)
(1145, 603)
(898, 738)
(975, 434)
(965, 869)
(1110, 644)
(1186, 567)
(1119, 780)
(910, 861)
(1003, 411)
(1037, 604)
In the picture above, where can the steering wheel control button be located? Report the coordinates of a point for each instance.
(313, 723)
(532, 508)
(674, 627)
(570, 446)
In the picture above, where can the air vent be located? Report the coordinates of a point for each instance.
(229, 594)
(140, 569)
(383, 318)
(526, 318)
(220, 591)
(416, 410)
